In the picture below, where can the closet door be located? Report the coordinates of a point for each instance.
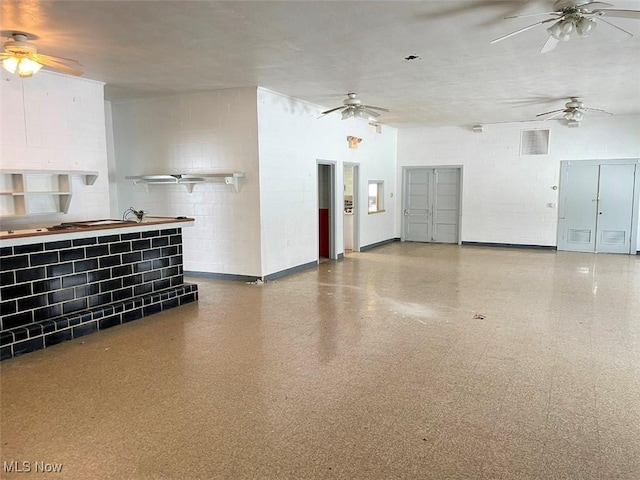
(577, 222)
(417, 203)
(596, 201)
(615, 208)
(431, 205)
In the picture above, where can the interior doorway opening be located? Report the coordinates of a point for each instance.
(326, 211)
(351, 218)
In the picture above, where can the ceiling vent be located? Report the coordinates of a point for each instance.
(534, 142)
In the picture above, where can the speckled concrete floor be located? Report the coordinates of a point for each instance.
(373, 367)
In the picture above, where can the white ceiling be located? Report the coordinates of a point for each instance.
(320, 50)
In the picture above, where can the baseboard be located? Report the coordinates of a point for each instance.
(510, 245)
(378, 244)
(222, 276)
(288, 271)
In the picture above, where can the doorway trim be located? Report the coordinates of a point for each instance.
(332, 207)
(564, 164)
(403, 204)
(356, 204)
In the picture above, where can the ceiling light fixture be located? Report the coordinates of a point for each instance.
(572, 24)
(17, 59)
(25, 67)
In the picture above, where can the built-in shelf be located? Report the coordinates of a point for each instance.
(38, 192)
(187, 179)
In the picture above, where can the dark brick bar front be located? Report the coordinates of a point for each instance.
(57, 290)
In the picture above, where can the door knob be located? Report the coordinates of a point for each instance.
(406, 212)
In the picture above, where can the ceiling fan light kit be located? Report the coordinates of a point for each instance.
(25, 67)
(573, 112)
(22, 57)
(573, 18)
(352, 107)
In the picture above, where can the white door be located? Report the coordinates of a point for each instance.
(596, 213)
(577, 215)
(417, 205)
(431, 205)
(615, 208)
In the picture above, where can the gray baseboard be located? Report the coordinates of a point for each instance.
(510, 245)
(222, 276)
(364, 248)
(288, 271)
(251, 278)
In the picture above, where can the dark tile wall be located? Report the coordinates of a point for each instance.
(53, 281)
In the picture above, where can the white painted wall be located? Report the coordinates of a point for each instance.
(55, 122)
(505, 195)
(204, 132)
(291, 142)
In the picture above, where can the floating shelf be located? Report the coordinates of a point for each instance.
(187, 179)
(38, 192)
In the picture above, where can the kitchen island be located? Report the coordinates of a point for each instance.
(69, 280)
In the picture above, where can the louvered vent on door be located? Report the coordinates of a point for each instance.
(613, 237)
(534, 142)
(579, 236)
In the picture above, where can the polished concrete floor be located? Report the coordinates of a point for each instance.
(409, 361)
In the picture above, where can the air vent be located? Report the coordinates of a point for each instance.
(579, 236)
(534, 142)
(613, 237)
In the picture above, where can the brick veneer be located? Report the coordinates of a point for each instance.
(55, 291)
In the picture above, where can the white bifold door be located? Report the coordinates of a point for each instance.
(596, 211)
(431, 204)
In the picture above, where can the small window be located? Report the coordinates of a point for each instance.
(376, 196)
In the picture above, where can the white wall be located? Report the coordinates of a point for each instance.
(292, 139)
(505, 195)
(205, 132)
(55, 122)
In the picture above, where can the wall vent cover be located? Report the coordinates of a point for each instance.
(613, 237)
(534, 142)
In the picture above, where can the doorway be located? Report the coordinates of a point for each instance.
(431, 204)
(326, 211)
(351, 224)
(598, 206)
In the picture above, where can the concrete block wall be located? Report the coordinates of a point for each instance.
(55, 122)
(292, 139)
(204, 132)
(506, 195)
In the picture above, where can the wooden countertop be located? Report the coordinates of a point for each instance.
(92, 227)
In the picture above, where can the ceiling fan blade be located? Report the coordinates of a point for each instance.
(533, 15)
(550, 44)
(598, 110)
(522, 30)
(554, 115)
(55, 65)
(612, 12)
(376, 108)
(629, 34)
(59, 59)
(595, 3)
(332, 110)
(371, 113)
(547, 113)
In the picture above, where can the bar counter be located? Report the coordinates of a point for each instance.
(63, 282)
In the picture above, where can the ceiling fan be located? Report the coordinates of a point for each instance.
(353, 107)
(22, 57)
(573, 112)
(573, 18)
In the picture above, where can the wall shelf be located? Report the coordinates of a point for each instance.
(188, 180)
(38, 192)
